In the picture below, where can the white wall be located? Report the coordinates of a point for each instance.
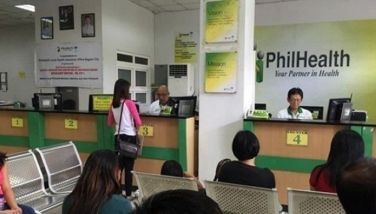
(126, 27)
(51, 8)
(308, 11)
(166, 27)
(17, 55)
(221, 115)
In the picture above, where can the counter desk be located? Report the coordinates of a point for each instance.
(292, 157)
(171, 137)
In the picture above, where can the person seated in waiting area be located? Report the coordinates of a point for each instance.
(347, 147)
(219, 167)
(245, 147)
(164, 104)
(8, 202)
(294, 111)
(356, 187)
(179, 201)
(98, 188)
(173, 168)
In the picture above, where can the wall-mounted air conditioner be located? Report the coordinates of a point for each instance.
(181, 79)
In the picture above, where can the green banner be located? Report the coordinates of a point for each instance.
(221, 21)
(185, 48)
(220, 72)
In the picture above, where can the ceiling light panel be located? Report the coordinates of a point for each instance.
(27, 7)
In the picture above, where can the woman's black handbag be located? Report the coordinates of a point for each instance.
(126, 148)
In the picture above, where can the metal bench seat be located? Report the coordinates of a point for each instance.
(306, 201)
(42, 202)
(63, 166)
(27, 182)
(149, 184)
(240, 199)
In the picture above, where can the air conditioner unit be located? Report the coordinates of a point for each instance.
(180, 79)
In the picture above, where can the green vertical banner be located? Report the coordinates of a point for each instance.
(259, 70)
(220, 72)
(185, 48)
(221, 21)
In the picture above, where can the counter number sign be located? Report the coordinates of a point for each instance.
(70, 124)
(17, 122)
(146, 130)
(297, 138)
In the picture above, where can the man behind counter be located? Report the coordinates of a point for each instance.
(294, 111)
(164, 104)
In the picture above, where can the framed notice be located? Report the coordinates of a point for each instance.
(220, 72)
(100, 102)
(221, 21)
(47, 28)
(185, 48)
(66, 17)
(88, 25)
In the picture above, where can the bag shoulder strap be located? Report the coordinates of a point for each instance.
(121, 115)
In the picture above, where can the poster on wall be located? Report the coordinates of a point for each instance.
(88, 25)
(69, 64)
(339, 63)
(66, 17)
(221, 21)
(220, 72)
(47, 27)
(185, 48)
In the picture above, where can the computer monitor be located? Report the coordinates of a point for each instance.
(338, 109)
(260, 106)
(47, 101)
(186, 105)
(317, 111)
(100, 102)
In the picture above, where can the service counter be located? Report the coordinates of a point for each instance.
(171, 138)
(292, 157)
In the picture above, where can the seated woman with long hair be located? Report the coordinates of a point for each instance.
(98, 188)
(347, 147)
(173, 168)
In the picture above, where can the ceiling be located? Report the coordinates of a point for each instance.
(10, 16)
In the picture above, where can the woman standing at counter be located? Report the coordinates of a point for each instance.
(130, 122)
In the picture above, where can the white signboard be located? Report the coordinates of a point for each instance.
(69, 64)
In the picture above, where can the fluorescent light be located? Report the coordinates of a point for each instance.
(28, 7)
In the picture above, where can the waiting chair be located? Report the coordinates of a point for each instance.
(242, 199)
(306, 201)
(149, 184)
(26, 180)
(63, 166)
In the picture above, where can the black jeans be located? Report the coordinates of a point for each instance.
(126, 164)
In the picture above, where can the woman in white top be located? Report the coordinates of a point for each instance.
(294, 111)
(130, 122)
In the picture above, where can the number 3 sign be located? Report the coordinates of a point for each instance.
(297, 138)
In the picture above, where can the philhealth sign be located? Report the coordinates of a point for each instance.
(326, 60)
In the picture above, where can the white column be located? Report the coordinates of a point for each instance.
(221, 115)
